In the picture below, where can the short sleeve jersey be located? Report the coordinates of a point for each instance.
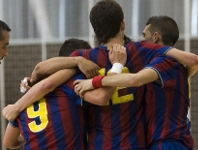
(167, 103)
(119, 124)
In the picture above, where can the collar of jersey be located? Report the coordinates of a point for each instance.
(107, 47)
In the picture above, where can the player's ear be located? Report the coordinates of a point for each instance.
(156, 37)
(122, 27)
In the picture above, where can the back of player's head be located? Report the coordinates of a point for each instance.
(3, 27)
(166, 27)
(72, 44)
(106, 17)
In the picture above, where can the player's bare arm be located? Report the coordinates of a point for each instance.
(123, 80)
(99, 96)
(12, 138)
(87, 67)
(35, 93)
(185, 58)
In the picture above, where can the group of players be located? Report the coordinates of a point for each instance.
(139, 101)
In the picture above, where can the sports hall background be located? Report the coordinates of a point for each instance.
(39, 27)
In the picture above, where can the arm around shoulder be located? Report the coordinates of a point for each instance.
(186, 58)
(131, 79)
(99, 96)
(52, 65)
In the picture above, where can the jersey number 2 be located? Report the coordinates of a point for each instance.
(116, 99)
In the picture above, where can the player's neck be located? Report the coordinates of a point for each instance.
(118, 39)
(111, 43)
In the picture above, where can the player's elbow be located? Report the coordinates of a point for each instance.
(103, 96)
(39, 71)
(47, 86)
(13, 145)
(99, 99)
(194, 60)
(38, 68)
(8, 144)
(102, 100)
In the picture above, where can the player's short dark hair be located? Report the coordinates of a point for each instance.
(3, 27)
(106, 17)
(72, 44)
(166, 27)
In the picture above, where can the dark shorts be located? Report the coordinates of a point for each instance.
(168, 145)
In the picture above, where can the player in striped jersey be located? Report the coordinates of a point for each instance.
(112, 125)
(55, 121)
(166, 70)
(167, 103)
(167, 107)
(140, 52)
(118, 124)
